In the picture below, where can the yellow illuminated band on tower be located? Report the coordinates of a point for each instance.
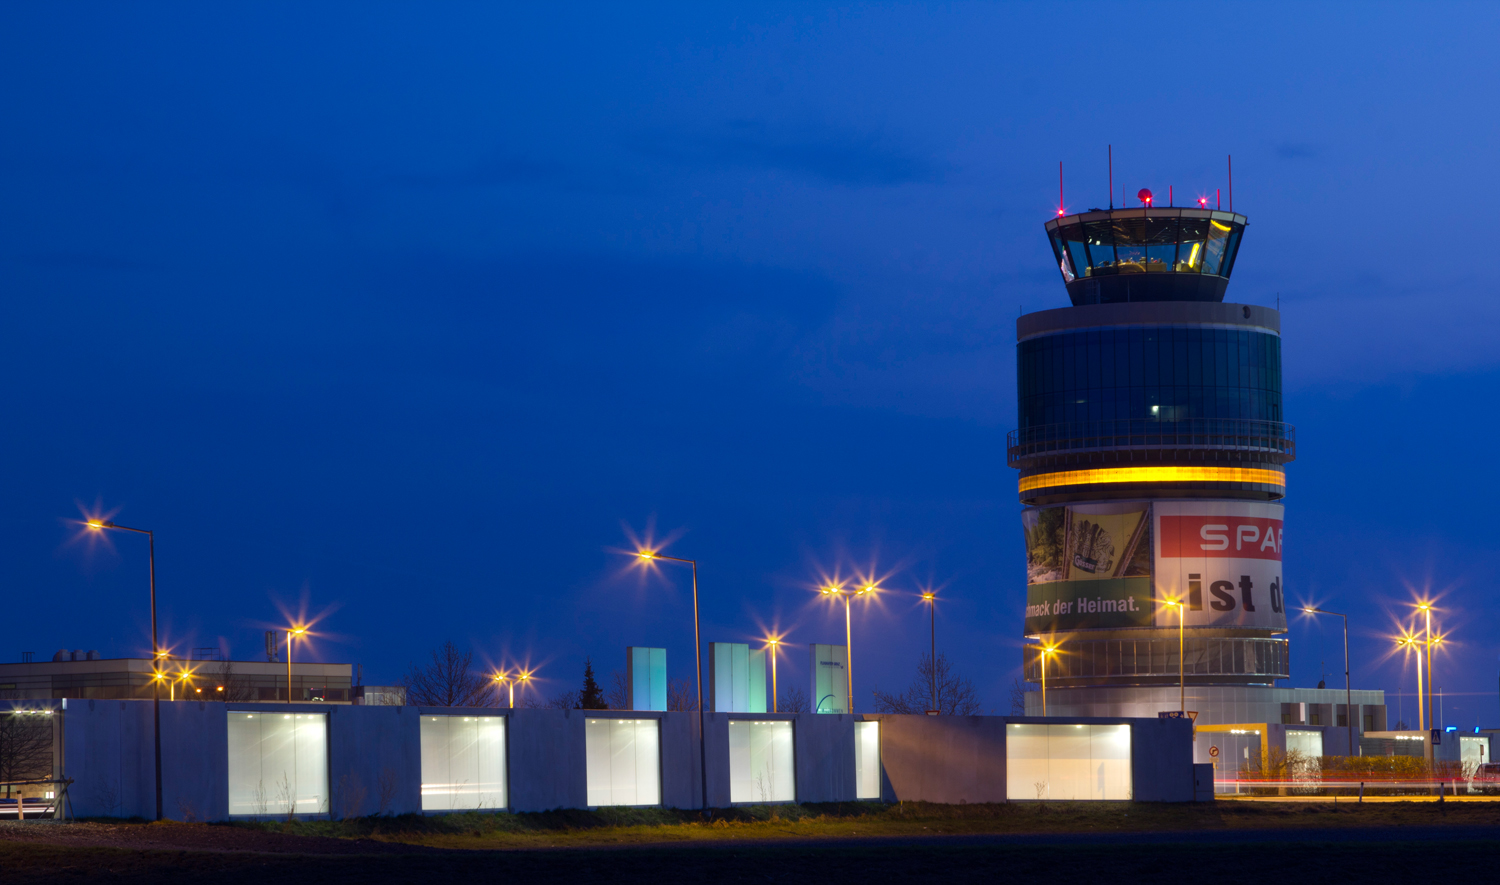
(1161, 473)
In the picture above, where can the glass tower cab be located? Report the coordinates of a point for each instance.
(1146, 254)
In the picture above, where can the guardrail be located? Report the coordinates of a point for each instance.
(1274, 437)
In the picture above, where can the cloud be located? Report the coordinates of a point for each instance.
(840, 156)
(1296, 151)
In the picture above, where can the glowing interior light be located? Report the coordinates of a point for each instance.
(1102, 475)
(1193, 256)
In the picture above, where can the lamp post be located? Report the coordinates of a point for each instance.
(1348, 693)
(504, 678)
(1181, 670)
(1426, 609)
(931, 600)
(292, 632)
(100, 525)
(1043, 652)
(1410, 642)
(652, 556)
(849, 633)
(772, 647)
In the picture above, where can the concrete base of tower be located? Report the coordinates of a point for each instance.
(1322, 708)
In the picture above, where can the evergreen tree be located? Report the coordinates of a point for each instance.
(591, 697)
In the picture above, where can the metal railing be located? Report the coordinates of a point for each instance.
(1276, 438)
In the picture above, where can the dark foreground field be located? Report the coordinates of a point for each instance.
(1225, 841)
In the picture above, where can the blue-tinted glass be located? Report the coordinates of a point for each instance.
(1190, 253)
(1100, 238)
(1179, 356)
(1130, 245)
(1214, 248)
(1079, 258)
(1161, 244)
(1233, 250)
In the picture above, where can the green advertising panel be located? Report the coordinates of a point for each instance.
(1088, 566)
(1082, 605)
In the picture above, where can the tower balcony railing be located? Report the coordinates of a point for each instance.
(1275, 439)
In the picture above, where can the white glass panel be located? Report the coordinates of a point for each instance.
(1026, 762)
(463, 762)
(761, 762)
(1110, 749)
(278, 763)
(623, 759)
(1067, 762)
(867, 760)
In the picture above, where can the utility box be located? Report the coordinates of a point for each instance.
(830, 680)
(646, 675)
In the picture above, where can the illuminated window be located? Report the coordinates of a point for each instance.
(463, 762)
(761, 767)
(623, 759)
(1073, 762)
(278, 763)
(867, 760)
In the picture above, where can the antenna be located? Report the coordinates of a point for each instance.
(1218, 199)
(1060, 203)
(1111, 176)
(1169, 196)
(1231, 182)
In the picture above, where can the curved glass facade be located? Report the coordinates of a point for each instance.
(1123, 241)
(1151, 374)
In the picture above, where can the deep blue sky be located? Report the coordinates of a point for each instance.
(411, 313)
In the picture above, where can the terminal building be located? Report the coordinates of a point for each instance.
(1152, 446)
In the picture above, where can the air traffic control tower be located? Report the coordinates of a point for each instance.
(1152, 449)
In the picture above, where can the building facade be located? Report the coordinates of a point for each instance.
(1152, 447)
(89, 676)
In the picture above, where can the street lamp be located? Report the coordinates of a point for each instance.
(1426, 609)
(1348, 694)
(650, 556)
(291, 633)
(1181, 670)
(847, 594)
(100, 525)
(772, 644)
(1045, 651)
(931, 599)
(504, 678)
(1410, 642)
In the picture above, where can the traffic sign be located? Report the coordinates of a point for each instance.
(1214, 752)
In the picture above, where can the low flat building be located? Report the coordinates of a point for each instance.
(88, 676)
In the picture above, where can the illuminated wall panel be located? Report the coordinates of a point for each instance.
(761, 762)
(1071, 762)
(278, 764)
(867, 760)
(623, 760)
(463, 762)
(1159, 473)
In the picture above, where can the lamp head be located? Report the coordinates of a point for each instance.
(868, 588)
(646, 555)
(929, 597)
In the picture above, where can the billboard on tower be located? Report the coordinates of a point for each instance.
(1110, 565)
(1223, 560)
(1088, 566)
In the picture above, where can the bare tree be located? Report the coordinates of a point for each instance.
(956, 695)
(25, 745)
(681, 698)
(236, 688)
(793, 700)
(567, 700)
(1017, 697)
(448, 681)
(617, 696)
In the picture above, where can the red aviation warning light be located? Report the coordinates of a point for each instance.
(1144, 196)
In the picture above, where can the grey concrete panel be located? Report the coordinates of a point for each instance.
(195, 763)
(547, 760)
(681, 780)
(108, 751)
(824, 757)
(1148, 313)
(948, 759)
(716, 731)
(374, 760)
(1161, 752)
